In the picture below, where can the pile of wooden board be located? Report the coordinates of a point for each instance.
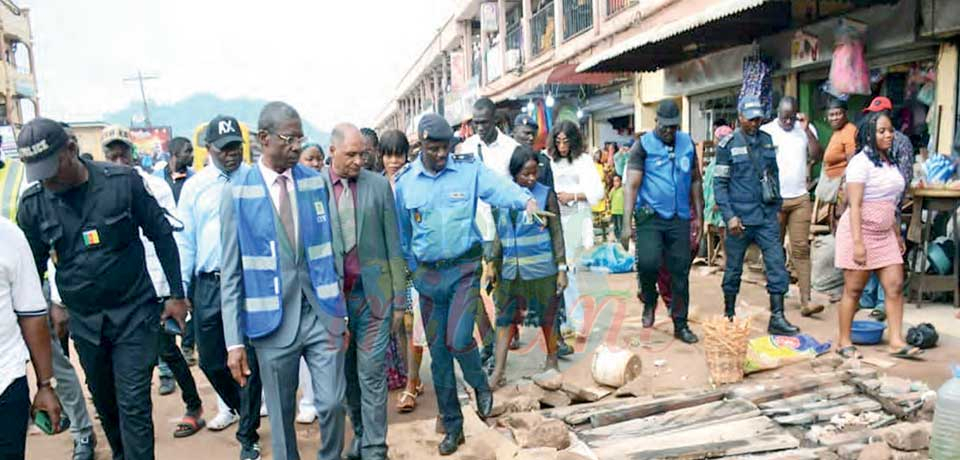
(833, 414)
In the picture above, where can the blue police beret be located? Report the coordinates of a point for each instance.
(525, 120)
(434, 128)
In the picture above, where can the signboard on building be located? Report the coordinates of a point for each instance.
(458, 76)
(489, 18)
(9, 144)
(152, 141)
(804, 50)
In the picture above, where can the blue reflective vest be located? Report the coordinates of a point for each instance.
(257, 234)
(527, 247)
(667, 175)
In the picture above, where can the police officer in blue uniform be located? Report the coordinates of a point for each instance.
(664, 186)
(436, 206)
(747, 190)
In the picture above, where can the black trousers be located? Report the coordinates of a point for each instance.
(658, 239)
(213, 359)
(119, 373)
(15, 407)
(171, 355)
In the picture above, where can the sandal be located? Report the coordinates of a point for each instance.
(908, 352)
(189, 425)
(849, 352)
(407, 402)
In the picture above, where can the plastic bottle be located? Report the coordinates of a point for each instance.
(945, 443)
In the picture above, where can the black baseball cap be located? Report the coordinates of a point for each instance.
(223, 130)
(668, 113)
(434, 128)
(38, 144)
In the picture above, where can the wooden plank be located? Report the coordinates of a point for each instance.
(739, 437)
(562, 413)
(889, 405)
(867, 405)
(793, 454)
(710, 413)
(657, 406)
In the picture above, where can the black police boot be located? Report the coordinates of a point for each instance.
(484, 403)
(730, 306)
(682, 331)
(450, 443)
(649, 308)
(487, 358)
(778, 321)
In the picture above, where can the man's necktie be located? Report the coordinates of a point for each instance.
(286, 211)
(348, 219)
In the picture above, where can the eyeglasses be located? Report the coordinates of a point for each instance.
(291, 140)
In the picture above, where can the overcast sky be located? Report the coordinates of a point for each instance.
(332, 60)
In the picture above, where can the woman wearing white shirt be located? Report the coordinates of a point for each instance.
(578, 187)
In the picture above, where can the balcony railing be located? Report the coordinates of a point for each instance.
(616, 6)
(514, 46)
(577, 17)
(542, 29)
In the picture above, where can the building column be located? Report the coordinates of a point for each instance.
(467, 45)
(484, 47)
(791, 86)
(946, 99)
(526, 42)
(436, 90)
(502, 35)
(557, 23)
(599, 14)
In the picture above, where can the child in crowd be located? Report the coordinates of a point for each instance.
(616, 206)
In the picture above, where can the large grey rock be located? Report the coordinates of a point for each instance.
(876, 451)
(908, 436)
(541, 453)
(532, 430)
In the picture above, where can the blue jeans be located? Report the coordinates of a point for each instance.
(449, 296)
(872, 296)
(767, 236)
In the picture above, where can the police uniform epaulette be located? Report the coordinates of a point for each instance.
(726, 140)
(32, 190)
(403, 169)
(464, 157)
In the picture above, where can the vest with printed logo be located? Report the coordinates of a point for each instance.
(257, 234)
(667, 175)
(527, 247)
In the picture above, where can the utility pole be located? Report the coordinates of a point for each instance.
(143, 94)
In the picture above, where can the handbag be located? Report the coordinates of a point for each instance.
(769, 185)
(828, 188)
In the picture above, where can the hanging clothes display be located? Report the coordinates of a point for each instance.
(849, 73)
(758, 80)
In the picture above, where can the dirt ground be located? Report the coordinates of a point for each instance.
(613, 316)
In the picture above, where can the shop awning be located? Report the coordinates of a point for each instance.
(567, 74)
(712, 28)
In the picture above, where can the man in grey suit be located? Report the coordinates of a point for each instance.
(280, 278)
(373, 283)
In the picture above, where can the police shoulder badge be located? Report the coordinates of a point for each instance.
(726, 140)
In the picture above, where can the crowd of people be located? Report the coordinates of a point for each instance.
(331, 273)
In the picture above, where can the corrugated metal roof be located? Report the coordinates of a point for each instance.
(663, 32)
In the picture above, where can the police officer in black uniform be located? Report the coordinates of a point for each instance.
(86, 216)
(746, 164)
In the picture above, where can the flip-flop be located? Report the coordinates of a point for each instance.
(849, 352)
(878, 315)
(189, 425)
(908, 352)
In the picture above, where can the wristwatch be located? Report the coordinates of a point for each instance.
(51, 382)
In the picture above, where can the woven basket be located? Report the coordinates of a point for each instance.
(725, 346)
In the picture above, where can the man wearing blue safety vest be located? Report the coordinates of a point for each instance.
(747, 188)
(663, 181)
(436, 207)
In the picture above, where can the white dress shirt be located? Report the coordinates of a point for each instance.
(496, 156)
(270, 178)
(791, 157)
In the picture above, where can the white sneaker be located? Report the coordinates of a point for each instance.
(263, 409)
(223, 420)
(307, 416)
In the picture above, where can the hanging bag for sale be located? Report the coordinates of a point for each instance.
(849, 73)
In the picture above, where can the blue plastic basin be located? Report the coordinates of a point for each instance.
(867, 332)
